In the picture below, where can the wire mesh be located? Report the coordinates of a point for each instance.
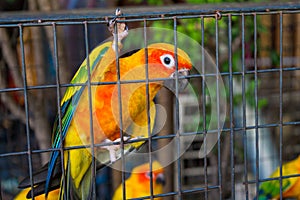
(256, 51)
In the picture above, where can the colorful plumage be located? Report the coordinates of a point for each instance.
(290, 186)
(53, 195)
(75, 110)
(138, 184)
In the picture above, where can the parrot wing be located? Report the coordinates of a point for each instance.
(271, 189)
(39, 179)
(138, 130)
(70, 102)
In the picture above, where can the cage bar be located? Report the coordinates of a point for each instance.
(241, 70)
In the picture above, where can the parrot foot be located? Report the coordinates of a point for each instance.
(112, 149)
(122, 29)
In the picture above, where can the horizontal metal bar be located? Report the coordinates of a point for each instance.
(274, 178)
(169, 136)
(150, 80)
(199, 189)
(60, 22)
(92, 83)
(144, 12)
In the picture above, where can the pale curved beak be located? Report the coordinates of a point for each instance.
(160, 179)
(182, 80)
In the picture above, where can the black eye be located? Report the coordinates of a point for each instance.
(167, 60)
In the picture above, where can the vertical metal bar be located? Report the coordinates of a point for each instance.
(256, 103)
(120, 107)
(0, 189)
(218, 106)
(280, 100)
(204, 108)
(148, 109)
(231, 108)
(58, 99)
(177, 111)
(93, 169)
(244, 110)
(24, 76)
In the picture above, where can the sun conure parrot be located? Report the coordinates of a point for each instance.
(290, 186)
(138, 183)
(75, 111)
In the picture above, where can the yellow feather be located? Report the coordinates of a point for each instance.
(138, 186)
(53, 195)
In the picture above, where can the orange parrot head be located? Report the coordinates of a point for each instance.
(138, 183)
(164, 55)
(162, 63)
(162, 60)
(143, 175)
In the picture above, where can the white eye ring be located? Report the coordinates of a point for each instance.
(147, 174)
(167, 60)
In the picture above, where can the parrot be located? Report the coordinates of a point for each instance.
(111, 80)
(290, 186)
(138, 183)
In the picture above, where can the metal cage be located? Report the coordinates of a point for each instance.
(256, 54)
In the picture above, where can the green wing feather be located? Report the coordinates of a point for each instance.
(271, 189)
(70, 102)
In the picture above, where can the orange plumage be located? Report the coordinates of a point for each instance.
(138, 184)
(53, 195)
(105, 113)
(105, 97)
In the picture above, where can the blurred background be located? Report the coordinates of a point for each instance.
(263, 110)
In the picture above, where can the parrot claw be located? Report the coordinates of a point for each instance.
(122, 28)
(112, 149)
